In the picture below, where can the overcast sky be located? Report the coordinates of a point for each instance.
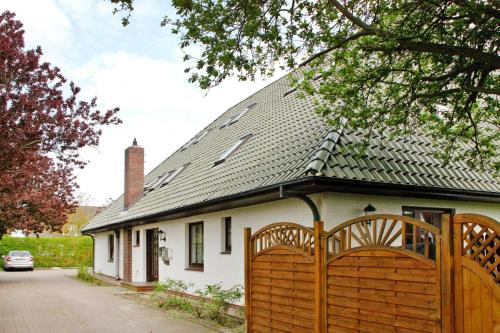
(137, 68)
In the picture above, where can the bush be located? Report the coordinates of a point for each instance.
(52, 252)
(171, 291)
(83, 274)
(219, 300)
(214, 301)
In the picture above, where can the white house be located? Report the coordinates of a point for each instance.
(269, 158)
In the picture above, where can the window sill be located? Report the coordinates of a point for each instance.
(225, 252)
(194, 268)
(110, 260)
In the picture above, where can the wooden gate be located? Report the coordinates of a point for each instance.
(477, 273)
(382, 275)
(378, 273)
(280, 279)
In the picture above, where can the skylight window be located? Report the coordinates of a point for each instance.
(234, 118)
(248, 108)
(232, 149)
(200, 137)
(164, 179)
(171, 176)
(195, 140)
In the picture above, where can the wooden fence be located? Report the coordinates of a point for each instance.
(379, 273)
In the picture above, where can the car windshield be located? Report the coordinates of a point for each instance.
(19, 254)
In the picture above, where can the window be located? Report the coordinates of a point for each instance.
(234, 118)
(111, 248)
(196, 245)
(137, 238)
(226, 235)
(197, 139)
(171, 175)
(429, 215)
(232, 149)
(165, 179)
(237, 117)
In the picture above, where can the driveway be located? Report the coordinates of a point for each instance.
(53, 301)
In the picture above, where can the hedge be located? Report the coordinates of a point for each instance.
(52, 252)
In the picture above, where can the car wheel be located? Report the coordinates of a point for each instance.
(31, 269)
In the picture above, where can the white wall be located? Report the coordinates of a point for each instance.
(102, 265)
(343, 206)
(228, 268)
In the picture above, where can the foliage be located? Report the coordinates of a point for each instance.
(398, 67)
(52, 252)
(172, 293)
(219, 300)
(43, 125)
(83, 274)
(214, 301)
(78, 219)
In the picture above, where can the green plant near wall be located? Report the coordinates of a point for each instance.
(54, 251)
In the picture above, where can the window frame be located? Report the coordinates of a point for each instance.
(417, 212)
(226, 234)
(111, 248)
(137, 238)
(196, 265)
(233, 149)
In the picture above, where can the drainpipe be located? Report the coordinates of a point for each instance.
(117, 255)
(284, 193)
(93, 251)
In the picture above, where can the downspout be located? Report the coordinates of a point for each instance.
(93, 251)
(284, 193)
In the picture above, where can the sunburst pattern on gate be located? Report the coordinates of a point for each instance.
(482, 245)
(284, 234)
(384, 231)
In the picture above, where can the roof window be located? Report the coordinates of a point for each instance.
(164, 179)
(198, 138)
(195, 140)
(232, 149)
(234, 118)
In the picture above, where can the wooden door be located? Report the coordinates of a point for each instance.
(477, 274)
(152, 255)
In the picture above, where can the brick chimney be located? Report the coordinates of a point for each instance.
(134, 174)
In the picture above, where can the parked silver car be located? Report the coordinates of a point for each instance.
(18, 259)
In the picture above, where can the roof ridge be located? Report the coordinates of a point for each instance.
(319, 161)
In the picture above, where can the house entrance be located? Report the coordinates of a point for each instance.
(152, 255)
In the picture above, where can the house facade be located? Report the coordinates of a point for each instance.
(269, 159)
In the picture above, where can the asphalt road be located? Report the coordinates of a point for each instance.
(53, 301)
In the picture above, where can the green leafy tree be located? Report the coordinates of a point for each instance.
(393, 66)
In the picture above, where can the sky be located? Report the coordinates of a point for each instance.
(138, 68)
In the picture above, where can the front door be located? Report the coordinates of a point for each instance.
(152, 255)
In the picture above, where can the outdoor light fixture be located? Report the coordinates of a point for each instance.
(369, 209)
(161, 235)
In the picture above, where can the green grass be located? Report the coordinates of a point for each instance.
(52, 252)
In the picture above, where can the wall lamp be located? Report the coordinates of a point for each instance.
(369, 209)
(161, 235)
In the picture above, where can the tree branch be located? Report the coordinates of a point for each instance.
(336, 46)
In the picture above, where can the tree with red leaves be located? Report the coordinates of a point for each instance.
(42, 127)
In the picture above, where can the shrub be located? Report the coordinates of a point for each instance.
(52, 252)
(83, 274)
(219, 300)
(171, 291)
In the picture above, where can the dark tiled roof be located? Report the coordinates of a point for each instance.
(289, 142)
(405, 161)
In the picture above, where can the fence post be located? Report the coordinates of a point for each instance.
(318, 276)
(447, 303)
(248, 290)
